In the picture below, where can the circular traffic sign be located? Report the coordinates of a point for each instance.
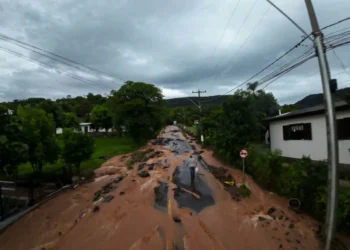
(243, 153)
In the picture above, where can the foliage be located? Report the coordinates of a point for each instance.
(100, 117)
(302, 179)
(38, 130)
(51, 107)
(77, 147)
(70, 120)
(105, 147)
(139, 107)
(244, 190)
(13, 150)
(289, 108)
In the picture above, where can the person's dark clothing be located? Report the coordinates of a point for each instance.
(192, 171)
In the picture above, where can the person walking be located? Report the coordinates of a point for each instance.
(192, 164)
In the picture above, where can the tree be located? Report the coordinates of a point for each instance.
(55, 109)
(70, 120)
(13, 151)
(289, 108)
(77, 147)
(39, 134)
(252, 86)
(101, 118)
(139, 107)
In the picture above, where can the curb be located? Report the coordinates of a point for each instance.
(5, 224)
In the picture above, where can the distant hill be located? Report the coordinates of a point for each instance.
(184, 101)
(317, 99)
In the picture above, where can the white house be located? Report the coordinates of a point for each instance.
(85, 127)
(303, 132)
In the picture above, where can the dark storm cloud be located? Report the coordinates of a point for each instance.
(173, 44)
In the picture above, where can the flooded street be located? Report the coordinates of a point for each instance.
(155, 206)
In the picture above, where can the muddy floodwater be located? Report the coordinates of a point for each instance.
(155, 206)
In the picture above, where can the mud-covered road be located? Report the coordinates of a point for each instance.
(155, 206)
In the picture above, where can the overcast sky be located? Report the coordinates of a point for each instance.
(175, 45)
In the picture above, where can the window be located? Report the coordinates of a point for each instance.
(300, 131)
(343, 128)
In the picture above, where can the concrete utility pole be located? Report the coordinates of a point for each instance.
(332, 139)
(200, 112)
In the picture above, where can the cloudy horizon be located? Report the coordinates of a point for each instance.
(179, 46)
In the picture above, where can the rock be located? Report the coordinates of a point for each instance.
(108, 198)
(291, 225)
(176, 219)
(144, 174)
(261, 218)
(271, 211)
(96, 209)
(133, 180)
(121, 193)
(141, 166)
(150, 166)
(281, 246)
(119, 179)
(287, 233)
(97, 195)
(59, 233)
(280, 218)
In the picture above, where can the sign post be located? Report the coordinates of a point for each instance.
(243, 154)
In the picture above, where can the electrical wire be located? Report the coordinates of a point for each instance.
(341, 62)
(336, 23)
(265, 68)
(224, 31)
(51, 67)
(237, 33)
(62, 57)
(53, 58)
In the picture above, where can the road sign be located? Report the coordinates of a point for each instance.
(243, 153)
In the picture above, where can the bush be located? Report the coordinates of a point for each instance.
(303, 179)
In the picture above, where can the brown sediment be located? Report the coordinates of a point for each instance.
(131, 220)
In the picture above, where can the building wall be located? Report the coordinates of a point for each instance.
(315, 148)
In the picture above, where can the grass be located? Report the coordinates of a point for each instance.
(104, 147)
(244, 191)
(193, 130)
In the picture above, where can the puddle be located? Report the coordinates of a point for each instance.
(202, 196)
(161, 196)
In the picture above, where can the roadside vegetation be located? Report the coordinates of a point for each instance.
(238, 123)
(31, 149)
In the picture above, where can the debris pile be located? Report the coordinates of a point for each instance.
(107, 188)
(227, 180)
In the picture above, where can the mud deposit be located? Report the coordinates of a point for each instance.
(146, 201)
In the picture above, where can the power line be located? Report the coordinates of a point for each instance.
(224, 31)
(237, 33)
(255, 28)
(336, 23)
(62, 57)
(51, 67)
(341, 62)
(52, 58)
(329, 46)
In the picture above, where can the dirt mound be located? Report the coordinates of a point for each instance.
(110, 170)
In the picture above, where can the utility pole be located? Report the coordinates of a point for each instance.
(200, 112)
(332, 139)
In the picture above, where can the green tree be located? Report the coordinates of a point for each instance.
(101, 118)
(77, 147)
(70, 120)
(51, 107)
(288, 108)
(140, 107)
(13, 151)
(252, 86)
(39, 134)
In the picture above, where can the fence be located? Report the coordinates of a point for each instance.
(15, 197)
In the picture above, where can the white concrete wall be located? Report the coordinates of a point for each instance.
(315, 148)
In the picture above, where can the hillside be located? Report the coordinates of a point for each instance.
(317, 99)
(183, 101)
